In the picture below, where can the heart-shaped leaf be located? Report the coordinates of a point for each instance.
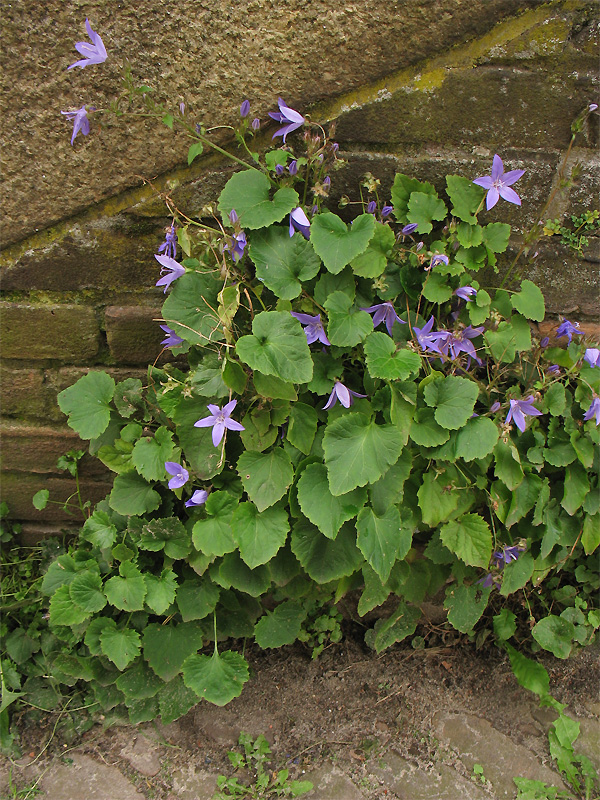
(283, 261)
(338, 244)
(248, 193)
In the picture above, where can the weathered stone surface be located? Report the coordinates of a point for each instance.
(34, 532)
(477, 742)
(133, 334)
(588, 742)
(330, 783)
(315, 51)
(143, 755)
(18, 490)
(29, 448)
(37, 332)
(191, 783)
(87, 779)
(409, 782)
(22, 392)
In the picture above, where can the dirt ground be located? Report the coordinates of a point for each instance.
(343, 711)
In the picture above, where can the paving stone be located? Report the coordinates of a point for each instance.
(87, 779)
(588, 742)
(144, 756)
(478, 742)
(193, 784)
(409, 782)
(330, 783)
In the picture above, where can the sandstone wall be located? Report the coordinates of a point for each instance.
(423, 86)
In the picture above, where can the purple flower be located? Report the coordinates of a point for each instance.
(279, 169)
(343, 394)
(386, 211)
(93, 53)
(521, 408)
(255, 124)
(593, 410)
(245, 108)
(299, 222)
(171, 270)
(592, 106)
(182, 108)
(499, 183)
(384, 312)
(171, 339)
(314, 327)
(495, 407)
(293, 167)
(428, 340)
(291, 119)
(219, 420)
(371, 207)
(439, 258)
(567, 329)
(459, 343)
(553, 370)
(327, 181)
(467, 293)
(197, 499)
(488, 581)
(233, 217)
(592, 356)
(410, 228)
(169, 246)
(545, 342)
(80, 121)
(180, 475)
(506, 555)
(236, 246)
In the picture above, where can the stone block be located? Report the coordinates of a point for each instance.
(43, 332)
(133, 334)
(34, 532)
(411, 782)
(19, 488)
(29, 448)
(87, 779)
(330, 783)
(22, 392)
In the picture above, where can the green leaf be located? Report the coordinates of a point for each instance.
(437, 498)
(197, 598)
(20, 647)
(281, 626)
(436, 288)
(470, 538)
(348, 325)
(402, 189)
(217, 678)
(529, 674)
(555, 399)
(325, 559)
(496, 236)
(554, 634)
(469, 235)
(465, 197)
(302, 426)
(235, 573)
(328, 283)
(195, 150)
(509, 338)
(234, 376)
(175, 700)
(167, 646)
(213, 536)
(86, 591)
(577, 485)
(465, 605)
(381, 539)
(389, 489)
(385, 361)
(87, 404)
(168, 534)
(373, 261)
(477, 439)
(128, 591)
(590, 538)
(337, 244)
(40, 499)
(117, 456)
(423, 208)
(357, 451)
(139, 682)
(132, 495)
(151, 452)
(505, 624)
(322, 508)
(190, 308)
(529, 301)
(248, 193)
(283, 262)
(120, 645)
(454, 400)
(265, 476)
(259, 433)
(401, 624)
(516, 574)
(63, 611)
(277, 347)
(523, 499)
(402, 407)
(425, 431)
(273, 388)
(259, 533)
(160, 590)
(508, 464)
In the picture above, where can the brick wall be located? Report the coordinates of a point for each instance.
(78, 286)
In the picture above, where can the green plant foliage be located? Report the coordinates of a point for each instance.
(336, 244)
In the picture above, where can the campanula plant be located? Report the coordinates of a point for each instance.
(382, 422)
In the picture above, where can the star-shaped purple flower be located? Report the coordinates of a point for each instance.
(567, 329)
(499, 183)
(466, 293)
(438, 258)
(292, 119)
(459, 343)
(236, 246)
(80, 121)
(592, 356)
(180, 475)
(299, 222)
(519, 409)
(436, 341)
(313, 327)
(343, 394)
(171, 270)
(219, 420)
(197, 499)
(506, 555)
(384, 312)
(94, 53)
(171, 339)
(593, 410)
(169, 246)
